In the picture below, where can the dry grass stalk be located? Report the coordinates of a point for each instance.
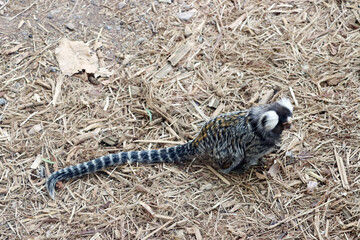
(222, 178)
(342, 171)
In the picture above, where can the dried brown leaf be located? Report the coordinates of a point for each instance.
(75, 56)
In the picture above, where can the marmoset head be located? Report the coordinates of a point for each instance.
(271, 119)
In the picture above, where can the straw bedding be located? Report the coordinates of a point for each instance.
(170, 75)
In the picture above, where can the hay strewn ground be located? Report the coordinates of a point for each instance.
(241, 53)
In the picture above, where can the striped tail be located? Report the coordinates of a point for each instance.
(178, 153)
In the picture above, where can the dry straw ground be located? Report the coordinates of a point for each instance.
(239, 53)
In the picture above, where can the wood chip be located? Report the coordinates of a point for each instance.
(342, 171)
(164, 71)
(218, 110)
(43, 84)
(147, 208)
(37, 162)
(214, 103)
(59, 82)
(180, 53)
(266, 97)
(85, 136)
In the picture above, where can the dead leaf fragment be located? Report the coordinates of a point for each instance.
(185, 16)
(35, 129)
(85, 136)
(237, 232)
(104, 73)
(147, 208)
(196, 231)
(75, 56)
(260, 176)
(21, 57)
(13, 49)
(311, 186)
(36, 162)
(334, 81)
(274, 169)
(128, 58)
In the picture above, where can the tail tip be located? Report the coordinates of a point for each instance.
(50, 186)
(52, 195)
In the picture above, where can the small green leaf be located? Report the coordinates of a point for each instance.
(150, 115)
(48, 161)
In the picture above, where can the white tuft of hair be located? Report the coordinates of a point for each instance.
(286, 103)
(272, 119)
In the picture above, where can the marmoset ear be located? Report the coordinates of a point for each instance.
(285, 102)
(268, 120)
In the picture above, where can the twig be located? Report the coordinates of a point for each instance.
(218, 175)
(12, 18)
(4, 4)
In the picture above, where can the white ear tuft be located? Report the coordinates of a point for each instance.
(286, 103)
(271, 120)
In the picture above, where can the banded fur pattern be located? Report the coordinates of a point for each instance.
(213, 131)
(226, 139)
(165, 155)
(238, 140)
(230, 142)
